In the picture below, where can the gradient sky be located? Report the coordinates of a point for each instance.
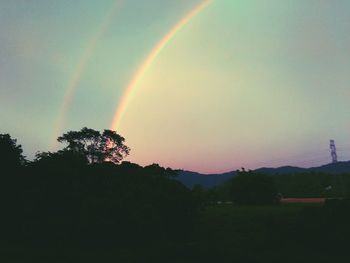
(245, 83)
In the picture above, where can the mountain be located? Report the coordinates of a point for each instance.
(190, 179)
(332, 168)
(281, 170)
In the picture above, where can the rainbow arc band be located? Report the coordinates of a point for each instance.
(80, 68)
(131, 88)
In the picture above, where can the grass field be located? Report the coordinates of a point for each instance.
(222, 233)
(227, 233)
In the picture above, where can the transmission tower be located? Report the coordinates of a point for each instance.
(333, 151)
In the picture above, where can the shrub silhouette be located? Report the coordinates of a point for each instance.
(250, 188)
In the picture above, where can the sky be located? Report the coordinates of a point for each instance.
(207, 86)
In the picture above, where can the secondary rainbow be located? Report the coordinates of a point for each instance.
(80, 68)
(130, 89)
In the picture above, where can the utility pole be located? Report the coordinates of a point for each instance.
(333, 151)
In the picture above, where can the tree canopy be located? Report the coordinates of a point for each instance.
(95, 146)
(251, 188)
(10, 152)
(82, 196)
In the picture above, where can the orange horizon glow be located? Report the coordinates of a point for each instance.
(140, 72)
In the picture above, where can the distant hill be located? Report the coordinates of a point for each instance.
(190, 179)
(281, 170)
(333, 168)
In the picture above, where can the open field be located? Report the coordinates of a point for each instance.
(222, 233)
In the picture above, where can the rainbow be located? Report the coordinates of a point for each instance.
(130, 89)
(80, 68)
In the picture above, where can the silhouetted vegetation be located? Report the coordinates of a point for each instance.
(83, 204)
(300, 185)
(250, 188)
(10, 153)
(313, 184)
(96, 147)
(79, 197)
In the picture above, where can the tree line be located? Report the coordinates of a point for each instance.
(85, 196)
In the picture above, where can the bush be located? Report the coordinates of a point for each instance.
(250, 188)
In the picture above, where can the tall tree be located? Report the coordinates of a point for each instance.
(10, 152)
(96, 147)
(112, 146)
(251, 188)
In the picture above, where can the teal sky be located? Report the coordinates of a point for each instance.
(245, 83)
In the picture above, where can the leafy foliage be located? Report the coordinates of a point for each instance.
(251, 188)
(313, 184)
(72, 198)
(10, 152)
(69, 204)
(97, 147)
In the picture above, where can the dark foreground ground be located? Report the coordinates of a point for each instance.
(224, 233)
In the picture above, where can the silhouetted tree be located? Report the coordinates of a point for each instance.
(157, 170)
(251, 188)
(61, 159)
(10, 152)
(97, 147)
(74, 198)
